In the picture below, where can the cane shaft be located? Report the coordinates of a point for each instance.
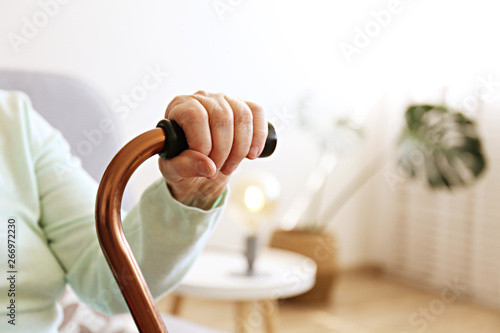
(110, 233)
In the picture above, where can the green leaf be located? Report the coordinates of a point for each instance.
(447, 141)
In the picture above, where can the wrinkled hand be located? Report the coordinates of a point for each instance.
(221, 131)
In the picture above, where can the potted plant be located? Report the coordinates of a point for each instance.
(450, 155)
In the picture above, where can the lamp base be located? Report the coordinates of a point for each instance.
(250, 253)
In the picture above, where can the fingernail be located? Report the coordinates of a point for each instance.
(203, 169)
(253, 152)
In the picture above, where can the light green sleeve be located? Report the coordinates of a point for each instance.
(164, 235)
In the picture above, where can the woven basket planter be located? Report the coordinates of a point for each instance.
(322, 249)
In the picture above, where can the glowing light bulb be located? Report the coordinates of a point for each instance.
(254, 199)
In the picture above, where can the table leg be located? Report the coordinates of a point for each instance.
(243, 311)
(175, 308)
(270, 310)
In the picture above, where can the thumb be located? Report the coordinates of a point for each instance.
(189, 164)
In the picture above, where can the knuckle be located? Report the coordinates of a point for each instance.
(202, 93)
(192, 115)
(174, 102)
(221, 122)
(231, 99)
(256, 108)
(179, 99)
(219, 95)
(244, 118)
(221, 116)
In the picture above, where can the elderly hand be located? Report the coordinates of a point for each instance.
(221, 131)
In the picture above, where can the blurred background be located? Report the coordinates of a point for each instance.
(309, 63)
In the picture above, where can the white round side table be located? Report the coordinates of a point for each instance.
(221, 275)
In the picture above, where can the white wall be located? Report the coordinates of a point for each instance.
(267, 51)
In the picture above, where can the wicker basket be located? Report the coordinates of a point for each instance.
(321, 248)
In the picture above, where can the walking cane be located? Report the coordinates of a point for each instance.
(167, 140)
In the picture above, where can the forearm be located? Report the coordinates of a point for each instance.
(169, 247)
(165, 237)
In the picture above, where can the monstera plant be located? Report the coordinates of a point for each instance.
(437, 144)
(449, 145)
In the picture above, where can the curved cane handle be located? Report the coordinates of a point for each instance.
(176, 142)
(166, 141)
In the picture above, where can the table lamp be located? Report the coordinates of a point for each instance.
(253, 199)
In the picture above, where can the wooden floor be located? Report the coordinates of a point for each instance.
(363, 302)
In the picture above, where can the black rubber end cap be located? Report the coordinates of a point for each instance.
(175, 140)
(271, 141)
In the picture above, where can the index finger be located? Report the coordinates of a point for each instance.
(192, 117)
